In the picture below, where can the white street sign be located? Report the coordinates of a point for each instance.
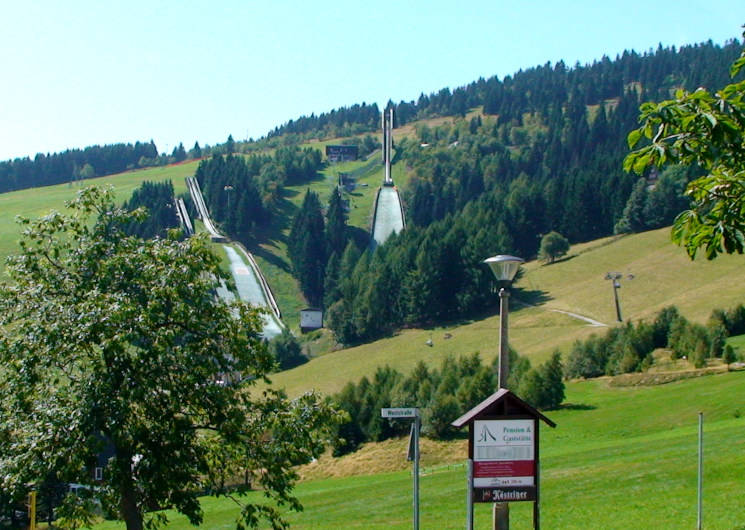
(399, 413)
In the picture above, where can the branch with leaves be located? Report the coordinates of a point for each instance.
(705, 130)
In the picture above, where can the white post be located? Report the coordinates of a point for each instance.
(700, 470)
(504, 349)
(416, 471)
(469, 495)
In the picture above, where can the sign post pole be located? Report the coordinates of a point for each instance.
(415, 435)
(700, 516)
(469, 495)
(413, 453)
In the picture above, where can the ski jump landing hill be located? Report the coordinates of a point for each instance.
(196, 196)
(388, 213)
(249, 281)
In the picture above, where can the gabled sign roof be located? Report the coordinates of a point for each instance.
(500, 403)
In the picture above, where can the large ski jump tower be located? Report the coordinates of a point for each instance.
(387, 120)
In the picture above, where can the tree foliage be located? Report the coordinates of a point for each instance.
(629, 348)
(553, 246)
(109, 340)
(306, 246)
(75, 164)
(287, 351)
(157, 199)
(441, 394)
(706, 130)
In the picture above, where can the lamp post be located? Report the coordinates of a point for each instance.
(504, 268)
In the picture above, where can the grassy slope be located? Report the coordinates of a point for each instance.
(663, 276)
(606, 465)
(36, 202)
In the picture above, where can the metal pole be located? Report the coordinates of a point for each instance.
(616, 285)
(537, 503)
(501, 516)
(700, 470)
(416, 472)
(504, 350)
(501, 510)
(469, 494)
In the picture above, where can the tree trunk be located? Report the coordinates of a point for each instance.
(128, 502)
(130, 512)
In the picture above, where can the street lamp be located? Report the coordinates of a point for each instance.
(504, 268)
(228, 189)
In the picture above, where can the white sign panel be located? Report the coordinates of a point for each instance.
(504, 453)
(399, 413)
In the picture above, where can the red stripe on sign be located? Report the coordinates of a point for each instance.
(506, 468)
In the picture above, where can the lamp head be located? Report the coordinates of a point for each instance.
(504, 267)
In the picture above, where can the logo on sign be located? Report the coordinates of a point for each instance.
(486, 435)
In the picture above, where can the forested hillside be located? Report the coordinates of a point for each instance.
(653, 73)
(517, 158)
(520, 157)
(545, 155)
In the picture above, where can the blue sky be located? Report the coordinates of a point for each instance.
(78, 73)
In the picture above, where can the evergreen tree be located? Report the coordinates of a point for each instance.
(336, 224)
(633, 219)
(196, 151)
(307, 248)
(552, 373)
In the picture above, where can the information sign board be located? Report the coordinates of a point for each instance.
(504, 466)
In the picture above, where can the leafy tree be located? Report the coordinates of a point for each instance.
(531, 387)
(437, 416)
(544, 387)
(87, 172)
(708, 130)
(553, 246)
(286, 349)
(729, 356)
(349, 434)
(111, 340)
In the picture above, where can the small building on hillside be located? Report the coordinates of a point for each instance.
(342, 153)
(310, 319)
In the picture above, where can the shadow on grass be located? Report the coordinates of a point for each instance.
(560, 260)
(270, 258)
(317, 177)
(575, 406)
(531, 297)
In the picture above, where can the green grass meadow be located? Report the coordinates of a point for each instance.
(619, 458)
(36, 202)
(663, 276)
